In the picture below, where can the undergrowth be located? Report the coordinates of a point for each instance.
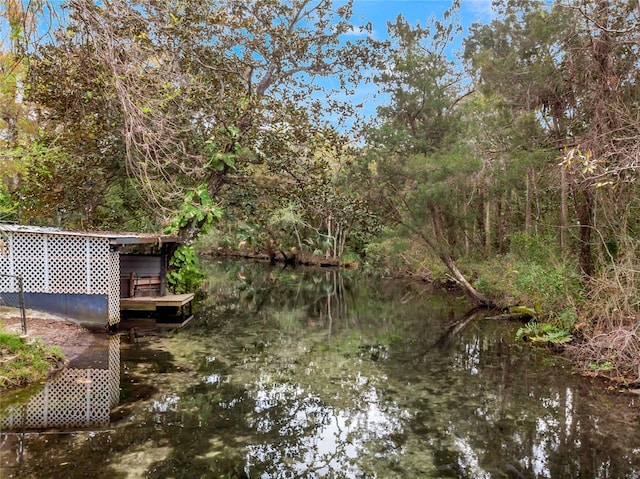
(610, 330)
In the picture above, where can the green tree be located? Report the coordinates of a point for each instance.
(423, 174)
(82, 181)
(563, 74)
(568, 72)
(208, 91)
(316, 211)
(518, 61)
(16, 126)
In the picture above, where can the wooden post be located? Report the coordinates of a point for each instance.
(132, 285)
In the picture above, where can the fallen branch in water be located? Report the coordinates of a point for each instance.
(444, 340)
(512, 317)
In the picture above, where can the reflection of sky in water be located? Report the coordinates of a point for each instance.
(315, 439)
(541, 431)
(161, 406)
(483, 430)
(212, 379)
(469, 461)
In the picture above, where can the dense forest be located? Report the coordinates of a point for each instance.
(506, 162)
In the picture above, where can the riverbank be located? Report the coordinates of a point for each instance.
(295, 259)
(52, 331)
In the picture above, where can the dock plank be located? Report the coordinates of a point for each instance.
(151, 303)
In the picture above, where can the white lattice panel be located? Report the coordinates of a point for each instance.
(7, 283)
(67, 264)
(101, 266)
(58, 264)
(30, 254)
(114, 288)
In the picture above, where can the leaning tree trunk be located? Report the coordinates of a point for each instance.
(476, 296)
(440, 245)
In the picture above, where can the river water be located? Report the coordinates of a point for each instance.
(295, 373)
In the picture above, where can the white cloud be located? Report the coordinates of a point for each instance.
(481, 10)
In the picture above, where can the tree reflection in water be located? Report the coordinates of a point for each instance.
(316, 439)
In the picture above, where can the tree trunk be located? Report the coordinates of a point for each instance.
(528, 201)
(487, 228)
(480, 217)
(564, 211)
(467, 234)
(536, 201)
(585, 218)
(476, 296)
(504, 221)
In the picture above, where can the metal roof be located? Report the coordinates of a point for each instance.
(115, 238)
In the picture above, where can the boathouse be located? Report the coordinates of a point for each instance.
(87, 276)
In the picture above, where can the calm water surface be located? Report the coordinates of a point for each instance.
(318, 374)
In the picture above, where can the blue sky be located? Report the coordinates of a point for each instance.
(379, 12)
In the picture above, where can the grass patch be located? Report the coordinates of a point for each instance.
(24, 360)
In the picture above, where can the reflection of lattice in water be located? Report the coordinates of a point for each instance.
(114, 370)
(76, 398)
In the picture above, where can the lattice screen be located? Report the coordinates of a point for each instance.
(59, 264)
(113, 292)
(29, 259)
(62, 264)
(76, 398)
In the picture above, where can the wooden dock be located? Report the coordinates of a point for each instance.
(168, 311)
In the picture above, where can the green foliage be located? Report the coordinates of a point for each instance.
(546, 287)
(350, 260)
(544, 333)
(123, 208)
(393, 253)
(523, 310)
(290, 224)
(197, 207)
(236, 100)
(7, 205)
(457, 168)
(605, 366)
(540, 249)
(23, 361)
(220, 159)
(385, 251)
(184, 275)
(197, 211)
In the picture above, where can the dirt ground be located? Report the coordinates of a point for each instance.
(71, 338)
